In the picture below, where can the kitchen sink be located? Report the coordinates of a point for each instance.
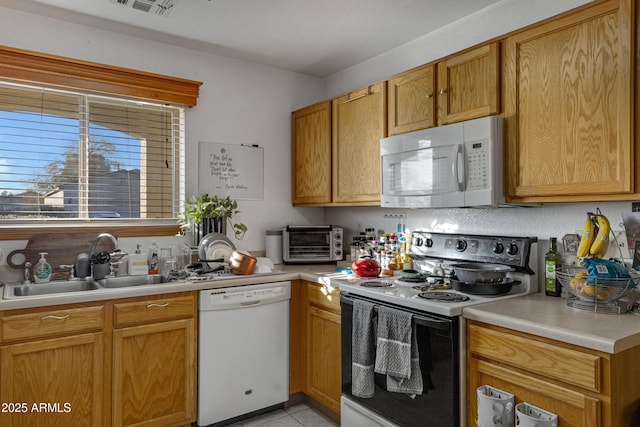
(19, 290)
(126, 281)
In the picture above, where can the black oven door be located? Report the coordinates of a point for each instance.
(438, 345)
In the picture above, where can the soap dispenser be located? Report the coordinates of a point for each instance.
(42, 270)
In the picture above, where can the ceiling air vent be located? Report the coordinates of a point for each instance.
(155, 7)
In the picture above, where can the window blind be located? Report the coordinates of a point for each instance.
(72, 155)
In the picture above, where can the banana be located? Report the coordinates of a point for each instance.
(601, 241)
(587, 238)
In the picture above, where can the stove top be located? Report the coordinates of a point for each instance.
(433, 253)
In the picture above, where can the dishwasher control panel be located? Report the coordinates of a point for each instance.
(241, 296)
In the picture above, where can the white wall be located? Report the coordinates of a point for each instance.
(239, 103)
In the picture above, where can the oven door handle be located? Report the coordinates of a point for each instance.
(429, 322)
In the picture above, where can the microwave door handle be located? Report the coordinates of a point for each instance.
(458, 168)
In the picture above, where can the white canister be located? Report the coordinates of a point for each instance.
(495, 407)
(528, 415)
(274, 246)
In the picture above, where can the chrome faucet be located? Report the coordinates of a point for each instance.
(27, 273)
(116, 255)
(100, 236)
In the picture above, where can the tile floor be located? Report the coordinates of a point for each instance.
(294, 416)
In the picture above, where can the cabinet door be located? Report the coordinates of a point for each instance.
(324, 368)
(54, 382)
(412, 100)
(154, 381)
(359, 121)
(468, 85)
(573, 408)
(568, 97)
(311, 155)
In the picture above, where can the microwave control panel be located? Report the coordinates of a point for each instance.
(478, 157)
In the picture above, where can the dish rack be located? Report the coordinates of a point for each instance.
(595, 294)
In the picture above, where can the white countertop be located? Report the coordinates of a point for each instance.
(550, 317)
(534, 314)
(319, 273)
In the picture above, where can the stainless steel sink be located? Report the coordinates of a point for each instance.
(126, 281)
(18, 290)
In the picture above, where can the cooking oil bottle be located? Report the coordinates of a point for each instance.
(552, 262)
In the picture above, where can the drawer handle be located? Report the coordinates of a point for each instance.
(362, 95)
(166, 304)
(66, 316)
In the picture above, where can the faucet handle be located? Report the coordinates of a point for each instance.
(117, 255)
(70, 268)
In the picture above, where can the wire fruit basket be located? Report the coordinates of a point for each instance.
(595, 293)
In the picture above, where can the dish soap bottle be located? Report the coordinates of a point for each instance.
(552, 262)
(154, 261)
(42, 271)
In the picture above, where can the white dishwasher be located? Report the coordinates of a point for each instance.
(243, 350)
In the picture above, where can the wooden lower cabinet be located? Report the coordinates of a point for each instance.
(315, 365)
(584, 387)
(52, 367)
(154, 362)
(54, 382)
(113, 363)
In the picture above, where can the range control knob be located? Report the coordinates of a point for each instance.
(498, 248)
(418, 241)
(429, 243)
(461, 245)
(512, 249)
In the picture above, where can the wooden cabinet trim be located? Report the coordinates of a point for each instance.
(41, 68)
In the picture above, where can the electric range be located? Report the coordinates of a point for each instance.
(433, 255)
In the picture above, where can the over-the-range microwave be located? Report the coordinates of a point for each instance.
(456, 165)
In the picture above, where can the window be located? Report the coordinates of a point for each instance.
(73, 155)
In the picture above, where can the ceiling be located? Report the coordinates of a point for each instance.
(313, 37)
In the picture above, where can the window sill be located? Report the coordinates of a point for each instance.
(19, 230)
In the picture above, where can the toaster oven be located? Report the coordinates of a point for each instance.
(308, 244)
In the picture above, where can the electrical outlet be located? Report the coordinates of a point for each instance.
(394, 215)
(618, 244)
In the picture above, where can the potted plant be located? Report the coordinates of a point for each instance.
(205, 214)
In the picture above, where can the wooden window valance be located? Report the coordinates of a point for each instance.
(60, 72)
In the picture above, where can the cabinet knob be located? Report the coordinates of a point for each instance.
(442, 91)
(429, 95)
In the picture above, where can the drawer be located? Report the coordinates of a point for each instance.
(47, 323)
(153, 310)
(552, 361)
(329, 298)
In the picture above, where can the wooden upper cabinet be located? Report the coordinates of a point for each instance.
(568, 104)
(469, 85)
(359, 122)
(412, 100)
(311, 155)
